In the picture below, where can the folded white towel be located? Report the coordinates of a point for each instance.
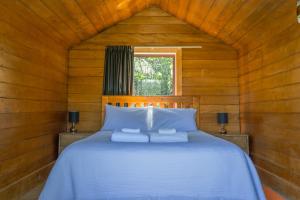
(167, 131)
(129, 137)
(131, 130)
(166, 138)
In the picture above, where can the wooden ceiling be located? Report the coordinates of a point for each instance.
(241, 23)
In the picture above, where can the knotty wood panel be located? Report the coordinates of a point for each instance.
(241, 24)
(33, 99)
(238, 23)
(209, 72)
(270, 104)
(212, 74)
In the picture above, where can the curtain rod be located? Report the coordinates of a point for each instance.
(183, 46)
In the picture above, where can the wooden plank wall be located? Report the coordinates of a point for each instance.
(270, 100)
(33, 99)
(210, 72)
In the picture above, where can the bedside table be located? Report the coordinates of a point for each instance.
(68, 138)
(239, 139)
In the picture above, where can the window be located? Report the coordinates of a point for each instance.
(155, 72)
(298, 11)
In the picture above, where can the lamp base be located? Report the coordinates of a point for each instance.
(222, 129)
(73, 129)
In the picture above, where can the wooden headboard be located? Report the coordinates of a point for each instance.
(156, 101)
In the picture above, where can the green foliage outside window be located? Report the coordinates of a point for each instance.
(153, 76)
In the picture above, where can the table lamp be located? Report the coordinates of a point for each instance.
(222, 119)
(73, 118)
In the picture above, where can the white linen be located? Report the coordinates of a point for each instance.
(131, 130)
(182, 119)
(166, 130)
(129, 137)
(164, 138)
(117, 118)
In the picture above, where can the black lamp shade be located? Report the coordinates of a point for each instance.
(222, 118)
(74, 116)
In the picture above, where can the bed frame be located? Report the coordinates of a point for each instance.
(156, 101)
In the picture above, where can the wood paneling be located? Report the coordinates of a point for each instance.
(33, 99)
(210, 72)
(34, 36)
(270, 101)
(238, 23)
(73, 21)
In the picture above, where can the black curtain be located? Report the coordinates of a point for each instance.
(118, 70)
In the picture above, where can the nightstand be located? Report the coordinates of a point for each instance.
(68, 138)
(241, 140)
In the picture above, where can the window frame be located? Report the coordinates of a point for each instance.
(159, 55)
(167, 52)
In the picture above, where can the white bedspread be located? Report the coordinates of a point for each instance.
(206, 167)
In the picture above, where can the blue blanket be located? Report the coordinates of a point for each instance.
(206, 167)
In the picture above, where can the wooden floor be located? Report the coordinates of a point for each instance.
(33, 194)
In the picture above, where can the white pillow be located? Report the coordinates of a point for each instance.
(117, 118)
(182, 119)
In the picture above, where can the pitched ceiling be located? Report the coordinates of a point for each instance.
(240, 23)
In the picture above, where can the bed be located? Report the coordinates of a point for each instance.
(206, 167)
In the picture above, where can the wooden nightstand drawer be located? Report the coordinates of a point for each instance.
(240, 140)
(66, 139)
